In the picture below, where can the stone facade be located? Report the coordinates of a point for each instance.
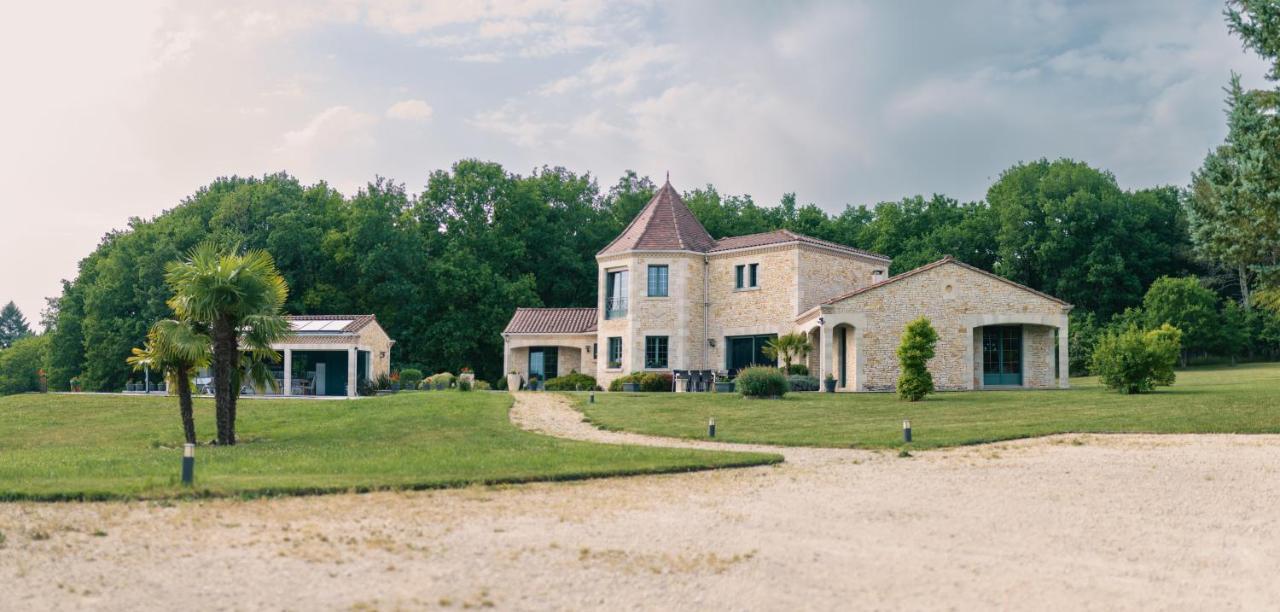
(837, 295)
(959, 301)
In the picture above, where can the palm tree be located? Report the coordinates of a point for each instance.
(787, 347)
(239, 296)
(175, 348)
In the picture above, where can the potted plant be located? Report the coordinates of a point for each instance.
(724, 385)
(534, 382)
(395, 382)
(74, 383)
(466, 374)
(830, 383)
(513, 381)
(631, 384)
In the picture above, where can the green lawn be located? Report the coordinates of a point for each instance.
(55, 447)
(1242, 399)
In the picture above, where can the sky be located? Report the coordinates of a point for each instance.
(113, 110)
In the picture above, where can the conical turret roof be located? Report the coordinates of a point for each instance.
(664, 224)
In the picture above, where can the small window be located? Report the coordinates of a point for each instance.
(655, 352)
(746, 276)
(657, 281)
(595, 350)
(615, 353)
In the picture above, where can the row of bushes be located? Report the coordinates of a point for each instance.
(648, 381)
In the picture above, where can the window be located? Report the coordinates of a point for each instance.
(746, 276)
(615, 300)
(657, 281)
(595, 350)
(615, 353)
(655, 352)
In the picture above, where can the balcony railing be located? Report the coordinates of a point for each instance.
(615, 307)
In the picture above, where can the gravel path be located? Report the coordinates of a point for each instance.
(1069, 522)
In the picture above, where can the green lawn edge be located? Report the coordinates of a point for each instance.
(1222, 400)
(586, 460)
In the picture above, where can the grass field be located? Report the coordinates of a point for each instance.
(1242, 399)
(62, 447)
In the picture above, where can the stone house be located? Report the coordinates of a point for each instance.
(698, 303)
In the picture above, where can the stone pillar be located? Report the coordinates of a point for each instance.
(826, 356)
(506, 355)
(288, 371)
(352, 357)
(1064, 361)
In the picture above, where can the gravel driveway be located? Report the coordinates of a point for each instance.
(1067, 522)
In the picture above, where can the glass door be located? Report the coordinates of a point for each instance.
(1002, 356)
(542, 362)
(744, 351)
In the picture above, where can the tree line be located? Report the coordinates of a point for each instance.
(444, 269)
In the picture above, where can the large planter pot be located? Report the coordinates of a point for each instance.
(830, 385)
(513, 382)
(467, 376)
(631, 387)
(724, 386)
(395, 387)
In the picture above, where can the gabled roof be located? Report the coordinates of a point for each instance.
(784, 236)
(552, 321)
(945, 260)
(664, 224)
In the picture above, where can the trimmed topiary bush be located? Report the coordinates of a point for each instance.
(760, 381)
(798, 369)
(573, 381)
(914, 353)
(1136, 361)
(648, 381)
(410, 378)
(802, 383)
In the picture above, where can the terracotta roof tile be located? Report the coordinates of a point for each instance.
(664, 224)
(552, 321)
(783, 236)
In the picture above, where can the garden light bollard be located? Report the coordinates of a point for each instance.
(593, 398)
(711, 428)
(188, 463)
(906, 430)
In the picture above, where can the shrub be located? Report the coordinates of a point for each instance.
(410, 378)
(798, 369)
(20, 364)
(500, 384)
(573, 381)
(444, 378)
(480, 385)
(383, 383)
(1134, 361)
(802, 383)
(914, 353)
(648, 381)
(761, 381)
(464, 385)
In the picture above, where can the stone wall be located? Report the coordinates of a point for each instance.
(824, 274)
(956, 300)
(378, 343)
(769, 308)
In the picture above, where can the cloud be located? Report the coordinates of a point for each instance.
(410, 110)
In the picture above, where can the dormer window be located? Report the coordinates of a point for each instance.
(746, 276)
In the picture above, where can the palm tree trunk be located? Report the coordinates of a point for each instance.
(183, 380)
(224, 364)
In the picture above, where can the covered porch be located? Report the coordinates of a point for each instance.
(550, 355)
